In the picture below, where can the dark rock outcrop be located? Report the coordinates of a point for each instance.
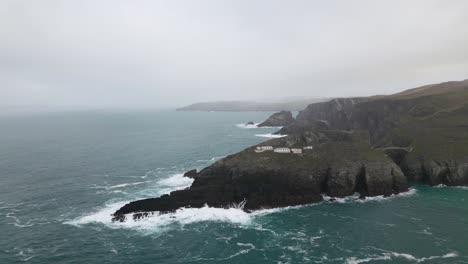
(282, 118)
(261, 187)
(191, 174)
(435, 172)
(266, 180)
(372, 146)
(334, 114)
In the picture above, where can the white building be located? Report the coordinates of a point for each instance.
(282, 150)
(296, 151)
(263, 148)
(308, 147)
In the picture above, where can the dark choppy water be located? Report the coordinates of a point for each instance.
(61, 176)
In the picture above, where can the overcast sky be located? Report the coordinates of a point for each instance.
(170, 53)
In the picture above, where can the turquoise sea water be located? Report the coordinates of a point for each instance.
(62, 175)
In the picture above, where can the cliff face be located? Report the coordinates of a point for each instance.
(373, 146)
(336, 166)
(282, 118)
(334, 114)
(450, 172)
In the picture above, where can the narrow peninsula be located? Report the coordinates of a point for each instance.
(378, 145)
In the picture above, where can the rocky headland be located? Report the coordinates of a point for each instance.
(377, 145)
(290, 104)
(282, 118)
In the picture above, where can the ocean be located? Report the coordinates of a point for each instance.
(63, 174)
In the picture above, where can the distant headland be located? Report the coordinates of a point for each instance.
(243, 106)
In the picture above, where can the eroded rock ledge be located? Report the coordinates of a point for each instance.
(268, 179)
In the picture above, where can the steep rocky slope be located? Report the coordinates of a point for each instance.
(374, 146)
(279, 119)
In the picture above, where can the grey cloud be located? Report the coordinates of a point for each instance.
(163, 53)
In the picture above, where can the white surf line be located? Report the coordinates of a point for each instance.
(156, 222)
(391, 255)
(270, 135)
(379, 198)
(255, 126)
(455, 187)
(183, 216)
(248, 126)
(103, 215)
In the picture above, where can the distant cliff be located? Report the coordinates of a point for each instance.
(239, 106)
(373, 146)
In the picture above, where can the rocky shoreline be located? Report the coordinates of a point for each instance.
(372, 146)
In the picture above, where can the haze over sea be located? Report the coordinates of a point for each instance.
(63, 174)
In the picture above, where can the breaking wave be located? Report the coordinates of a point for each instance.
(156, 222)
(160, 222)
(355, 197)
(123, 185)
(235, 215)
(270, 135)
(248, 126)
(103, 215)
(388, 255)
(173, 183)
(245, 248)
(445, 186)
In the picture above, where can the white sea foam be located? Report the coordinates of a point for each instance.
(183, 216)
(244, 249)
(102, 215)
(389, 255)
(355, 197)
(156, 222)
(445, 186)
(25, 255)
(22, 226)
(270, 135)
(268, 211)
(160, 222)
(118, 186)
(255, 125)
(173, 183)
(118, 191)
(248, 126)
(125, 185)
(354, 260)
(176, 181)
